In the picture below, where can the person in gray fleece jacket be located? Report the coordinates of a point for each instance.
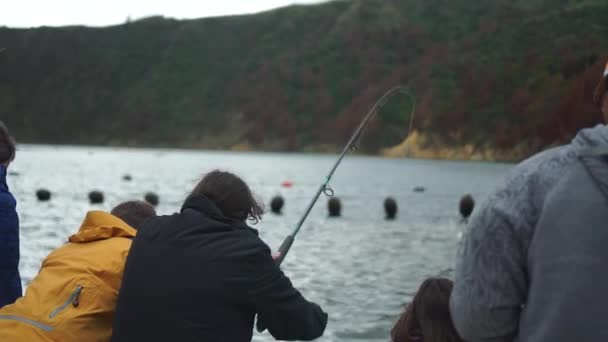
(533, 264)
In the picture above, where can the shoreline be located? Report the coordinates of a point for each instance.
(414, 147)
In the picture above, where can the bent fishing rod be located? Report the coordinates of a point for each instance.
(324, 188)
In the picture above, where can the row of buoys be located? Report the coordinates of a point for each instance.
(95, 197)
(467, 204)
(151, 198)
(390, 208)
(276, 205)
(43, 195)
(334, 206)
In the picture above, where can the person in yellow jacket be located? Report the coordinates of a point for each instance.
(73, 297)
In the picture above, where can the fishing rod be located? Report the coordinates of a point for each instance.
(324, 188)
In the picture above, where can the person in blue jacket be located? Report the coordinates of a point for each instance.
(10, 281)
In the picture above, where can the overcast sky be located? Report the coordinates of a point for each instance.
(32, 13)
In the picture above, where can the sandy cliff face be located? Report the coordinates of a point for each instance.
(420, 145)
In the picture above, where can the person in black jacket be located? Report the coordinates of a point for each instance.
(203, 275)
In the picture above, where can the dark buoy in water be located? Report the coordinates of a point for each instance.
(335, 207)
(276, 205)
(419, 189)
(127, 178)
(151, 198)
(96, 197)
(390, 207)
(43, 195)
(467, 204)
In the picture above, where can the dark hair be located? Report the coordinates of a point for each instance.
(427, 318)
(231, 195)
(600, 90)
(7, 145)
(134, 213)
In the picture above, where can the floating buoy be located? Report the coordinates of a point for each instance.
(287, 184)
(334, 207)
(276, 205)
(151, 198)
(96, 197)
(467, 204)
(390, 207)
(127, 178)
(43, 195)
(419, 189)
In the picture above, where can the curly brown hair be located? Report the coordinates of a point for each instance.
(7, 145)
(600, 89)
(231, 195)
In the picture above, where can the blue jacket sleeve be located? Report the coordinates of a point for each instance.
(10, 281)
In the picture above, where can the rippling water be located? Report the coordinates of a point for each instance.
(359, 268)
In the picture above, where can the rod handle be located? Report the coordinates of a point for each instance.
(284, 249)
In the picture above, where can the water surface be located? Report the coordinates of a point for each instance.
(360, 268)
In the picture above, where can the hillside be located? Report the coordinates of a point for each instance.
(497, 75)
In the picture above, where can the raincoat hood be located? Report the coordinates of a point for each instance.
(591, 138)
(99, 225)
(591, 146)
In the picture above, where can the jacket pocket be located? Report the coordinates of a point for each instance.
(73, 300)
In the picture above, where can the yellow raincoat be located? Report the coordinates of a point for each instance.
(73, 297)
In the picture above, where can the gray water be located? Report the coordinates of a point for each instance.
(360, 268)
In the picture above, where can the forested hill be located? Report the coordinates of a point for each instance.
(494, 74)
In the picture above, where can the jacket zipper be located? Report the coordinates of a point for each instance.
(31, 322)
(74, 300)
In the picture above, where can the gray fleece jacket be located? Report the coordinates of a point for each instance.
(533, 266)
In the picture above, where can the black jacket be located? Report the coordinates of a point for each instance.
(199, 276)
